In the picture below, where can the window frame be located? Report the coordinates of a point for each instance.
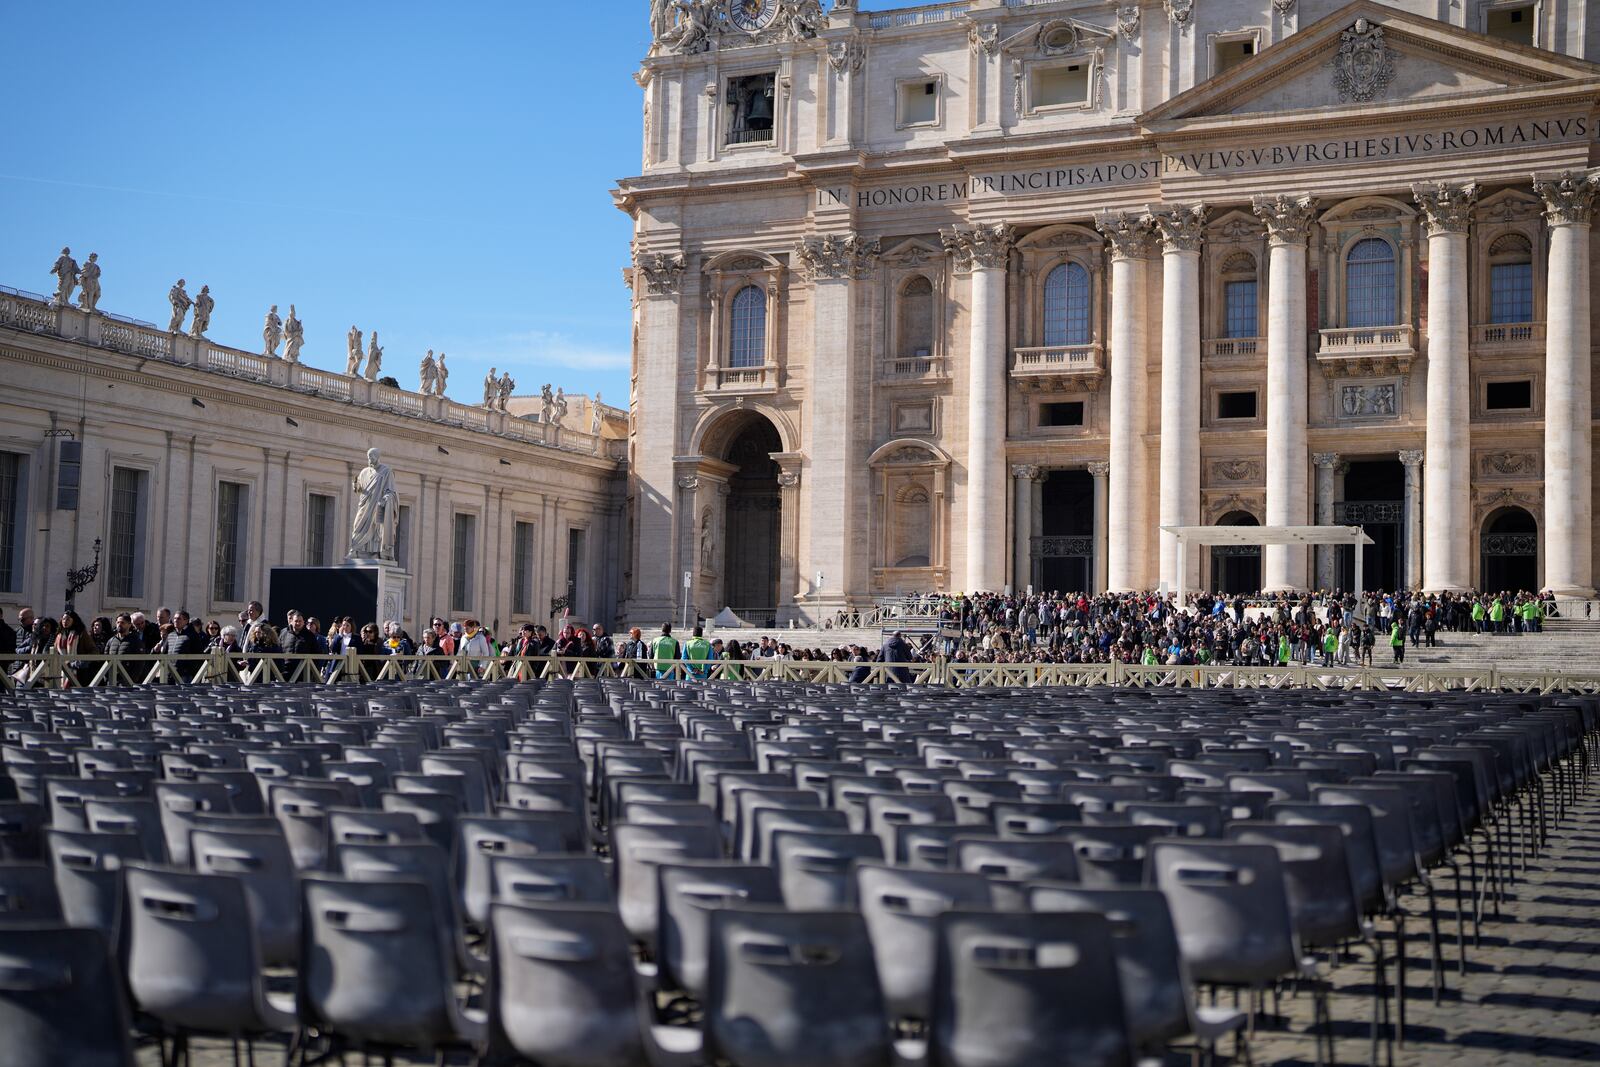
(725, 111)
(1391, 291)
(463, 560)
(330, 524)
(241, 548)
(1255, 35)
(1030, 84)
(1235, 420)
(139, 554)
(523, 572)
(902, 84)
(15, 568)
(759, 336)
(1065, 269)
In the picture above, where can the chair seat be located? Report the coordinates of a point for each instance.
(1215, 1023)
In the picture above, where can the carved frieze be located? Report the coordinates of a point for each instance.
(1245, 471)
(846, 55)
(984, 38)
(1181, 13)
(1128, 22)
(1504, 463)
(1363, 67)
(1370, 400)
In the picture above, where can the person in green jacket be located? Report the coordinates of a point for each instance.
(697, 650)
(1477, 615)
(664, 650)
(1330, 645)
(1497, 615)
(1397, 641)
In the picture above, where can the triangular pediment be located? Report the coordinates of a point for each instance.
(1368, 55)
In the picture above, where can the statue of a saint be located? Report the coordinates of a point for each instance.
(374, 358)
(428, 374)
(547, 403)
(271, 333)
(352, 364)
(179, 298)
(66, 272)
(561, 406)
(507, 384)
(376, 515)
(202, 312)
(491, 387)
(294, 337)
(444, 376)
(89, 299)
(594, 415)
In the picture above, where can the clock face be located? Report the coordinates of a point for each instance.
(753, 16)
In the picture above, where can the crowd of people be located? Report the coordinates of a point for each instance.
(1324, 629)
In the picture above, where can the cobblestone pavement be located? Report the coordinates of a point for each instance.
(1531, 994)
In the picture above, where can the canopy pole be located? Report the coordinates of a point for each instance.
(1183, 569)
(1360, 560)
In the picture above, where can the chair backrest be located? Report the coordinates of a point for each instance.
(1110, 856)
(814, 867)
(1018, 859)
(128, 815)
(748, 802)
(770, 821)
(1033, 818)
(928, 846)
(534, 881)
(794, 989)
(88, 870)
(901, 907)
(63, 1001)
(436, 813)
(21, 830)
(480, 838)
(637, 851)
(1155, 982)
(563, 989)
(1322, 896)
(192, 958)
(1177, 819)
(689, 893)
(1360, 842)
(1230, 907)
(264, 867)
(28, 895)
(1391, 825)
(363, 826)
(886, 811)
(1027, 988)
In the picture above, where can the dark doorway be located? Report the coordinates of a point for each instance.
(1236, 568)
(1374, 499)
(1065, 552)
(752, 534)
(1509, 552)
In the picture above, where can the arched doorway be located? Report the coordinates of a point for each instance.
(752, 536)
(1066, 547)
(1236, 568)
(1374, 499)
(1509, 552)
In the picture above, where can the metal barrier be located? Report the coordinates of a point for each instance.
(215, 668)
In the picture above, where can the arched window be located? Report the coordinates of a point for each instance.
(1369, 283)
(1066, 305)
(748, 345)
(1239, 301)
(1511, 279)
(916, 319)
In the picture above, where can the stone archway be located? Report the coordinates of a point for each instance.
(752, 533)
(1508, 551)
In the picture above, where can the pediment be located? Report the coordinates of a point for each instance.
(1366, 55)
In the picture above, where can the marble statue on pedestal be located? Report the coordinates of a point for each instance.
(428, 374)
(89, 298)
(352, 364)
(504, 389)
(444, 376)
(178, 297)
(294, 337)
(202, 312)
(491, 387)
(375, 518)
(66, 272)
(561, 406)
(594, 415)
(374, 358)
(271, 333)
(547, 403)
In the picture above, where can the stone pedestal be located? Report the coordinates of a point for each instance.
(367, 590)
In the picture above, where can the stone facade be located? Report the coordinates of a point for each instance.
(982, 294)
(170, 439)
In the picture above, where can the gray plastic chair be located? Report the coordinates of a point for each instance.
(1017, 859)
(88, 871)
(901, 907)
(436, 813)
(263, 866)
(28, 895)
(375, 972)
(1111, 856)
(1020, 989)
(193, 961)
(637, 852)
(534, 881)
(420, 861)
(63, 1003)
(814, 868)
(886, 811)
(481, 838)
(769, 821)
(302, 811)
(21, 830)
(689, 893)
(794, 989)
(179, 803)
(128, 815)
(363, 826)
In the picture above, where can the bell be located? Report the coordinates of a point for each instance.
(759, 115)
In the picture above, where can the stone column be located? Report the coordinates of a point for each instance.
(1024, 476)
(1127, 513)
(1098, 471)
(1180, 229)
(1288, 221)
(1447, 497)
(1412, 459)
(658, 279)
(1568, 505)
(983, 251)
(1325, 462)
(833, 263)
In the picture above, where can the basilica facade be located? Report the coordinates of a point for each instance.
(987, 294)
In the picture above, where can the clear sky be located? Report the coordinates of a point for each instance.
(439, 172)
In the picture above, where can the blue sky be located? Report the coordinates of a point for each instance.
(438, 172)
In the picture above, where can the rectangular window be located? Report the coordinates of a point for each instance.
(1239, 405)
(461, 556)
(13, 491)
(1508, 396)
(69, 474)
(125, 553)
(1231, 53)
(1061, 86)
(1066, 413)
(231, 513)
(919, 103)
(1510, 24)
(522, 568)
(1239, 299)
(575, 539)
(402, 538)
(749, 103)
(319, 530)
(1511, 292)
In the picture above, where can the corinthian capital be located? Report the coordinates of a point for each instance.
(981, 247)
(837, 255)
(1129, 234)
(1178, 224)
(663, 271)
(1447, 206)
(1568, 196)
(1288, 218)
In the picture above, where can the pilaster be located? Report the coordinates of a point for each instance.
(1127, 511)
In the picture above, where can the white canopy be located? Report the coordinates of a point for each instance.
(1265, 535)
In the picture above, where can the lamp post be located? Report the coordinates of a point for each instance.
(78, 580)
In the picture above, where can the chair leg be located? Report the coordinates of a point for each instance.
(1435, 954)
(1461, 922)
(1400, 973)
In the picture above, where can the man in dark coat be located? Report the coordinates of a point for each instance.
(897, 650)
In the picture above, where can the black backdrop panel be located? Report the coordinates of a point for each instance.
(324, 592)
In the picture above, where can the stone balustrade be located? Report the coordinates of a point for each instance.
(1056, 366)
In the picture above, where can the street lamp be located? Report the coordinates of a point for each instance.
(78, 580)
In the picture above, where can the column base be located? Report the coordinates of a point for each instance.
(1570, 593)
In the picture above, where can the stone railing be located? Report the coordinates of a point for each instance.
(1528, 335)
(1230, 347)
(1366, 350)
(917, 16)
(1052, 367)
(912, 367)
(33, 313)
